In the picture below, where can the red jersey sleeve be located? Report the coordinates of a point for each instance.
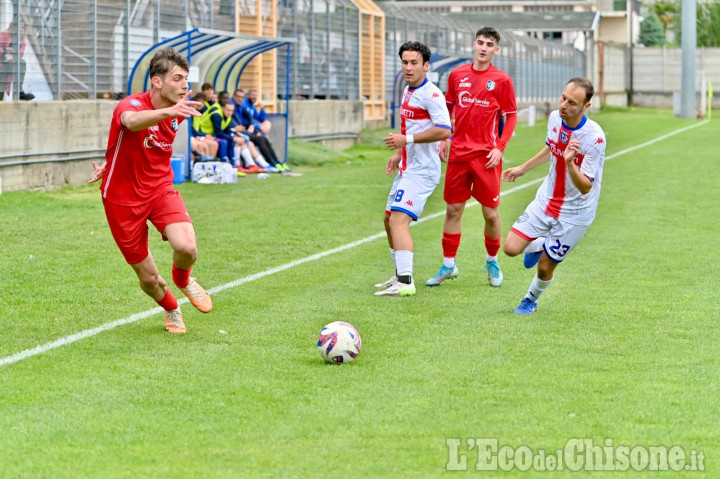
(508, 104)
(450, 94)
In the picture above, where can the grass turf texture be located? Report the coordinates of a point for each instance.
(624, 345)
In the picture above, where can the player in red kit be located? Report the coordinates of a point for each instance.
(137, 185)
(478, 97)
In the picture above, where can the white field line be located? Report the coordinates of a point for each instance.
(43, 348)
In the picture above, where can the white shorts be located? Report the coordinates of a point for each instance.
(409, 195)
(560, 237)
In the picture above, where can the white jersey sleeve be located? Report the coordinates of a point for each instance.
(423, 107)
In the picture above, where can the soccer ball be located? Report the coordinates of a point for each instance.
(339, 342)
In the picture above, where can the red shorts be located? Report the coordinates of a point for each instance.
(128, 224)
(464, 179)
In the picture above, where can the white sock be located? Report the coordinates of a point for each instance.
(247, 157)
(490, 258)
(449, 262)
(535, 245)
(404, 262)
(537, 288)
(261, 162)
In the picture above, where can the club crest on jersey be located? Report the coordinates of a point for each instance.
(174, 124)
(490, 85)
(564, 137)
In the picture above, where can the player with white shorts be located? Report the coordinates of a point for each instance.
(409, 195)
(565, 204)
(559, 237)
(424, 122)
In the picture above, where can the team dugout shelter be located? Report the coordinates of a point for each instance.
(227, 61)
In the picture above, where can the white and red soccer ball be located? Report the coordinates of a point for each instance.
(339, 342)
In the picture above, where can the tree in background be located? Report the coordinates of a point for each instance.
(652, 32)
(708, 24)
(667, 12)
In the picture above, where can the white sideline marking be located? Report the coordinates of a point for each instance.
(43, 348)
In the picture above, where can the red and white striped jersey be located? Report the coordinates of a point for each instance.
(558, 195)
(422, 108)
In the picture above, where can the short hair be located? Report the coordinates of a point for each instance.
(164, 60)
(239, 90)
(586, 85)
(488, 32)
(223, 101)
(207, 86)
(421, 48)
(201, 97)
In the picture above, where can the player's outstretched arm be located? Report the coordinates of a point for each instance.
(140, 120)
(542, 156)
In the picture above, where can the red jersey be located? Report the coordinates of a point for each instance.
(138, 162)
(478, 99)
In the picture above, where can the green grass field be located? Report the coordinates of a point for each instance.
(624, 346)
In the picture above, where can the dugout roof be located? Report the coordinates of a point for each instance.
(219, 56)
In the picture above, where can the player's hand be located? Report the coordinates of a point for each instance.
(392, 165)
(185, 107)
(571, 150)
(395, 141)
(99, 172)
(444, 150)
(512, 174)
(494, 158)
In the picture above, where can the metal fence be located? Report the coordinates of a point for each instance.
(323, 63)
(86, 48)
(539, 68)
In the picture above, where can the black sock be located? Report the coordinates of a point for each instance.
(405, 279)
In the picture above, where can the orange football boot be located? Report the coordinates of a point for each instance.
(197, 296)
(174, 322)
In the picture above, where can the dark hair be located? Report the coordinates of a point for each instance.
(239, 90)
(488, 32)
(586, 85)
(164, 60)
(207, 86)
(421, 48)
(201, 97)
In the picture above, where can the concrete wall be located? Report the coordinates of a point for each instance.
(330, 122)
(31, 129)
(52, 126)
